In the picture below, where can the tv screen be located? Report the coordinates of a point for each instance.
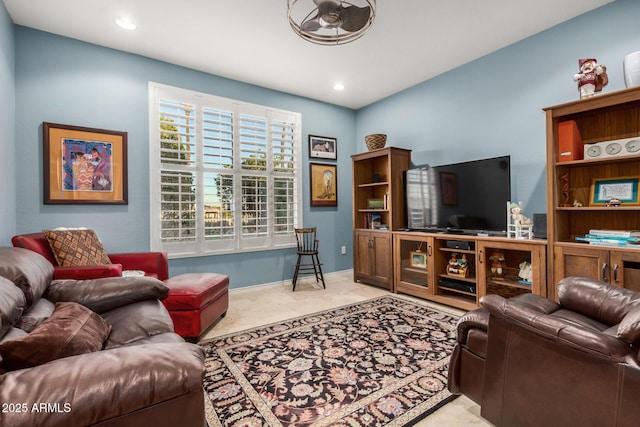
(469, 196)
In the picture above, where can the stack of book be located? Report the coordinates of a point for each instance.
(611, 237)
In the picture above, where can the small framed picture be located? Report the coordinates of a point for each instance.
(418, 259)
(321, 147)
(614, 191)
(324, 184)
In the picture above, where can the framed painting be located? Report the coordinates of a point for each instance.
(418, 259)
(324, 184)
(449, 188)
(321, 147)
(614, 191)
(84, 165)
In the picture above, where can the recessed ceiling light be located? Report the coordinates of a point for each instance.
(338, 86)
(125, 23)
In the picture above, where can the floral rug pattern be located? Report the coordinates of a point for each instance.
(381, 362)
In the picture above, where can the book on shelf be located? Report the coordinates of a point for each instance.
(375, 220)
(615, 233)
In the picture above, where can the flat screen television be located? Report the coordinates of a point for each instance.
(461, 197)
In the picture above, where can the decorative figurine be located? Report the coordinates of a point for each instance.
(518, 225)
(564, 181)
(577, 204)
(525, 272)
(496, 258)
(517, 215)
(591, 78)
(457, 266)
(613, 203)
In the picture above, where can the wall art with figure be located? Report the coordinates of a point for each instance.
(84, 165)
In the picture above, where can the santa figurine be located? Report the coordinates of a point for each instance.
(591, 78)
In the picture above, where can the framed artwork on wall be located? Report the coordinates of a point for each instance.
(324, 184)
(84, 165)
(321, 147)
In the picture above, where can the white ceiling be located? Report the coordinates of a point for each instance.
(251, 41)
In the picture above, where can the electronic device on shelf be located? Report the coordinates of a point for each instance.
(458, 286)
(464, 198)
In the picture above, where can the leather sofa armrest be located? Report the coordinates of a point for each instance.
(87, 272)
(475, 319)
(95, 387)
(152, 263)
(560, 331)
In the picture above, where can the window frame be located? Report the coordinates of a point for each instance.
(201, 246)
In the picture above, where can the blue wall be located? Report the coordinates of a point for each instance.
(489, 107)
(492, 106)
(7, 128)
(66, 81)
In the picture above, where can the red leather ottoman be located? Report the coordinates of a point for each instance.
(195, 301)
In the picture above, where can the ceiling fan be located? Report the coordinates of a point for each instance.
(331, 22)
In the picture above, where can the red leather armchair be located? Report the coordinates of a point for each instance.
(154, 264)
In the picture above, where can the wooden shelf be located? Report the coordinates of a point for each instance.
(606, 117)
(373, 184)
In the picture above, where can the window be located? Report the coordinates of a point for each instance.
(225, 175)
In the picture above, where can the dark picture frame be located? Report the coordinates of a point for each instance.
(623, 188)
(322, 147)
(323, 178)
(84, 165)
(449, 188)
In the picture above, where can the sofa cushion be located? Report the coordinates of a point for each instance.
(101, 295)
(37, 314)
(629, 327)
(71, 330)
(12, 303)
(137, 321)
(76, 247)
(29, 271)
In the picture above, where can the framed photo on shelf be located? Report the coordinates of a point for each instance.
(449, 188)
(614, 191)
(84, 165)
(321, 147)
(324, 184)
(418, 259)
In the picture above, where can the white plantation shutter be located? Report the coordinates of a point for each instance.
(225, 175)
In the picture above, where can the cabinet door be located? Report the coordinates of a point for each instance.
(625, 269)
(585, 262)
(362, 256)
(381, 257)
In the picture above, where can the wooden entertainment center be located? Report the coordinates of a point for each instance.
(417, 263)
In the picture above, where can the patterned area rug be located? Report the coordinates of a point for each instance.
(382, 362)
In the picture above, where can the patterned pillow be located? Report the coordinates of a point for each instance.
(74, 248)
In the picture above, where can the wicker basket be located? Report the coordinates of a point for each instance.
(375, 141)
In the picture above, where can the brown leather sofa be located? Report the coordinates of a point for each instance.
(529, 361)
(56, 370)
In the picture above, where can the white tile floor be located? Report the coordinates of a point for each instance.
(260, 305)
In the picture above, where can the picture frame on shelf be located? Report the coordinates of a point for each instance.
(324, 184)
(322, 147)
(614, 191)
(418, 259)
(83, 165)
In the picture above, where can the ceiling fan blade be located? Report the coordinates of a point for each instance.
(311, 25)
(354, 18)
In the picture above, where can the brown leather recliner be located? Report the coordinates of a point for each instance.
(529, 361)
(141, 374)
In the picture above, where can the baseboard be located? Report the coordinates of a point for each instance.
(286, 282)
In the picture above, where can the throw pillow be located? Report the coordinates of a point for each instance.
(73, 248)
(72, 329)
